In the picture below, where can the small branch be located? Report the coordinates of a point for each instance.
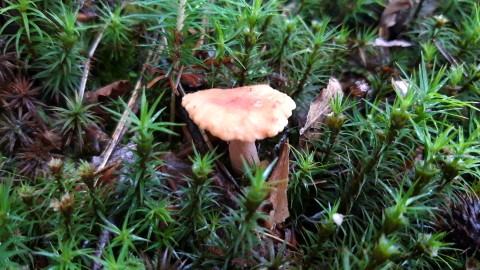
(123, 123)
(280, 240)
(91, 52)
(447, 55)
(88, 64)
(102, 243)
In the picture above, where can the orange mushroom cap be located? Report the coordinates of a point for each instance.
(245, 113)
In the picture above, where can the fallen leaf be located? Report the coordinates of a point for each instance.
(189, 78)
(279, 183)
(395, 14)
(359, 88)
(401, 86)
(380, 42)
(192, 79)
(86, 16)
(321, 105)
(112, 90)
(107, 174)
(216, 251)
(214, 62)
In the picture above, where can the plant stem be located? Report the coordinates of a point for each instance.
(308, 70)
(245, 62)
(280, 52)
(331, 142)
(353, 188)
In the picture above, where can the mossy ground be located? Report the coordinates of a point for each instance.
(101, 166)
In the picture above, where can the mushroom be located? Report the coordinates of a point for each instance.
(241, 116)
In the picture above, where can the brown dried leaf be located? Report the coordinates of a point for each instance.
(395, 13)
(279, 183)
(192, 79)
(360, 88)
(112, 90)
(122, 154)
(86, 16)
(321, 105)
(109, 176)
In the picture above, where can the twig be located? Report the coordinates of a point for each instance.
(116, 137)
(88, 64)
(124, 122)
(276, 238)
(91, 52)
(102, 243)
(448, 56)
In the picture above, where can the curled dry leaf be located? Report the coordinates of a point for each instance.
(109, 175)
(192, 79)
(321, 105)
(112, 90)
(279, 183)
(360, 88)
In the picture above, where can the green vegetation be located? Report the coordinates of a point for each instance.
(100, 165)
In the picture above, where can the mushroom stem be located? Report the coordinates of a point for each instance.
(239, 149)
